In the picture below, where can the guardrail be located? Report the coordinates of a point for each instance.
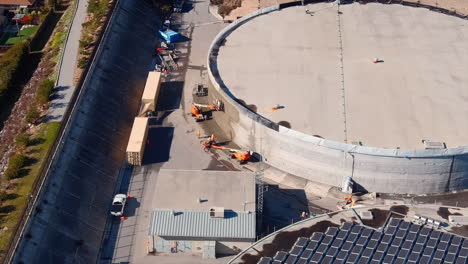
(63, 131)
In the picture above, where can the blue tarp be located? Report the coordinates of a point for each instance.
(169, 35)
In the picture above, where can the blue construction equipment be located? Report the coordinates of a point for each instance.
(169, 35)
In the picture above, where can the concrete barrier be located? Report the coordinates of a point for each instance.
(330, 162)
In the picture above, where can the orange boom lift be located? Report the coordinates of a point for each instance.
(199, 110)
(240, 155)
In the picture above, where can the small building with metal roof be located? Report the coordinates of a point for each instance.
(206, 212)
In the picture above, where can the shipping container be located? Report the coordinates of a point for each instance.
(151, 92)
(137, 142)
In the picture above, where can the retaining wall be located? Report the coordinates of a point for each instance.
(330, 162)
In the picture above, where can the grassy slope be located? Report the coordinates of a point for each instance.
(11, 210)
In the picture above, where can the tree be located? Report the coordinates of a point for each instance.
(32, 115)
(44, 91)
(22, 140)
(15, 164)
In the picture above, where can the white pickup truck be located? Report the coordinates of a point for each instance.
(118, 204)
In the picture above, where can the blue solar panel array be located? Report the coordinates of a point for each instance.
(398, 242)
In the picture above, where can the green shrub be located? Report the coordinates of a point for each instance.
(44, 91)
(14, 166)
(22, 140)
(9, 64)
(82, 62)
(32, 115)
(57, 40)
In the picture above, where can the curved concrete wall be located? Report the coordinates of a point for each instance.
(330, 162)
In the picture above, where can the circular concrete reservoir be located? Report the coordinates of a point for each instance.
(319, 67)
(316, 62)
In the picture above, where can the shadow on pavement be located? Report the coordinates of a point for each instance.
(158, 149)
(170, 96)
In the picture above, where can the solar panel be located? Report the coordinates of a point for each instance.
(357, 249)
(421, 240)
(399, 261)
(407, 245)
(302, 261)
(317, 236)
(352, 258)
(450, 258)
(276, 262)
(327, 240)
(456, 240)
(338, 261)
(307, 253)
(377, 235)
(302, 241)
(347, 246)
(296, 250)
(388, 259)
(404, 225)
(337, 243)
(367, 252)
(321, 249)
(264, 260)
(362, 241)
(424, 231)
(346, 226)
(291, 259)
(414, 228)
(327, 260)
(461, 260)
(425, 259)
(394, 222)
(436, 261)
(418, 248)
(367, 232)
(342, 234)
(431, 243)
(382, 248)
(316, 258)
(372, 244)
(392, 251)
(391, 230)
(331, 231)
(397, 242)
(428, 251)
(453, 249)
(446, 237)
(378, 256)
(403, 253)
(332, 252)
(435, 234)
(413, 257)
(312, 245)
(465, 244)
(281, 256)
(356, 229)
(400, 234)
(387, 239)
(352, 237)
(342, 255)
(411, 236)
(442, 246)
(375, 262)
(463, 252)
(363, 260)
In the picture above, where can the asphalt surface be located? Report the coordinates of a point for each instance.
(65, 87)
(173, 142)
(71, 214)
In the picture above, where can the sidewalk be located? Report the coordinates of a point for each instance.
(65, 87)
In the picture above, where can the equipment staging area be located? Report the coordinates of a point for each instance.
(319, 67)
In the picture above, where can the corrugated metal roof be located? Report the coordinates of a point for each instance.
(200, 224)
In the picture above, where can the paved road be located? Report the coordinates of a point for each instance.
(65, 87)
(126, 242)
